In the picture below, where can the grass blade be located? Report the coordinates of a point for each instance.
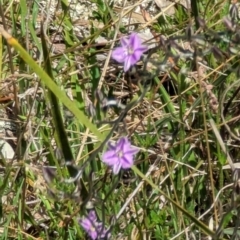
(51, 84)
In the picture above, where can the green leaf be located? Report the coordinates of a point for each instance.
(52, 85)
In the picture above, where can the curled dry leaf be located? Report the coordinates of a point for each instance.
(6, 150)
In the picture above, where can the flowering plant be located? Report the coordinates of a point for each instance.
(130, 51)
(120, 155)
(93, 228)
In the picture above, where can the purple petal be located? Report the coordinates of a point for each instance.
(125, 140)
(121, 143)
(109, 154)
(127, 161)
(92, 216)
(100, 228)
(124, 42)
(135, 41)
(135, 57)
(127, 145)
(119, 54)
(86, 224)
(109, 158)
(131, 151)
(92, 227)
(112, 146)
(111, 162)
(102, 231)
(88, 221)
(116, 168)
(93, 234)
(127, 64)
(129, 156)
(142, 49)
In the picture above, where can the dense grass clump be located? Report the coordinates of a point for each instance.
(119, 120)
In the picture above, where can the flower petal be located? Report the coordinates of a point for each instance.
(116, 168)
(135, 57)
(121, 143)
(143, 48)
(131, 151)
(109, 154)
(86, 224)
(92, 216)
(127, 145)
(112, 146)
(127, 64)
(119, 54)
(93, 234)
(135, 41)
(92, 227)
(125, 140)
(125, 42)
(127, 161)
(109, 158)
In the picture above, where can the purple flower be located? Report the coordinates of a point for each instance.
(120, 155)
(93, 228)
(130, 51)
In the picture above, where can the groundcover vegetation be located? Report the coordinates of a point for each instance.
(108, 135)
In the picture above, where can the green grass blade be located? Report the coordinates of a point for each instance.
(168, 105)
(180, 208)
(60, 133)
(51, 85)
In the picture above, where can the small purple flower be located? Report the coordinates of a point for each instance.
(130, 51)
(120, 155)
(93, 228)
